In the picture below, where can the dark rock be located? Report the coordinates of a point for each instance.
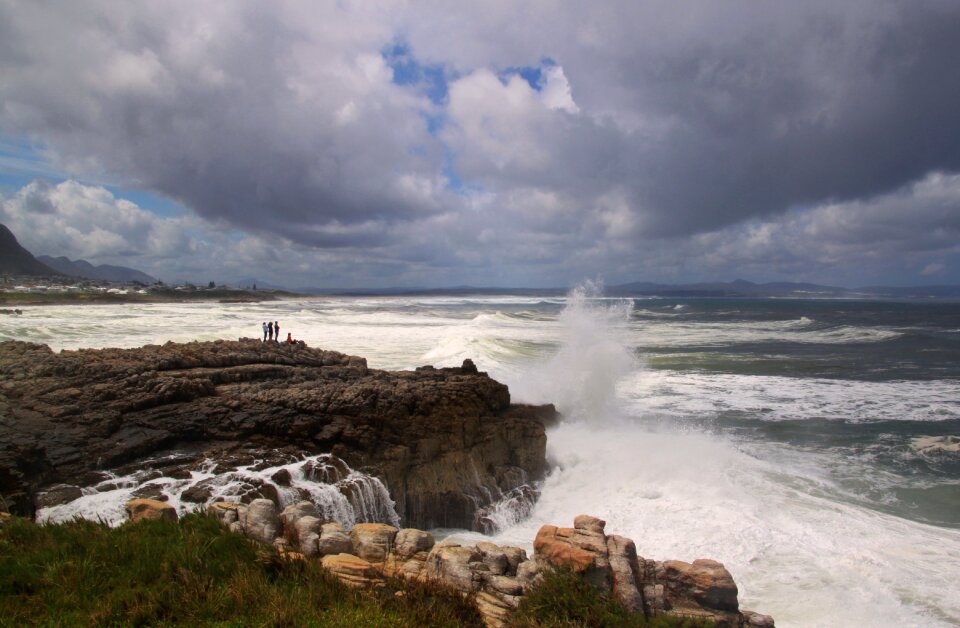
(445, 441)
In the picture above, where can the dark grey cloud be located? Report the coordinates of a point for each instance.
(733, 132)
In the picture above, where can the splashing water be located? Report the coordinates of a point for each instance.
(581, 378)
(340, 493)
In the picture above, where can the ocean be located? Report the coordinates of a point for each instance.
(783, 437)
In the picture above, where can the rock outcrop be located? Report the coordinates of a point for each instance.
(499, 576)
(446, 442)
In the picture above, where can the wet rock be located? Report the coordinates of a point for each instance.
(446, 442)
(150, 491)
(57, 495)
(291, 514)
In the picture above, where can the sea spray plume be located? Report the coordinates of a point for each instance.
(582, 377)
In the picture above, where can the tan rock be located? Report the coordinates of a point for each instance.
(226, 512)
(551, 545)
(307, 532)
(495, 609)
(503, 584)
(707, 582)
(455, 566)
(333, 540)
(589, 524)
(351, 569)
(411, 541)
(756, 620)
(624, 569)
(291, 514)
(149, 510)
(372, 541)
(515, 556)
(494, 558)
(260, 522)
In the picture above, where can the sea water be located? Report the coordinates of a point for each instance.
(777, 436)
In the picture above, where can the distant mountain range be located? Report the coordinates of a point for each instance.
(103, 272)
(16, 260)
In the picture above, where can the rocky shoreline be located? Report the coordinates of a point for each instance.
(497, 577)
(447, 443)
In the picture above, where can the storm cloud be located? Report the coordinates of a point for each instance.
(514, 143)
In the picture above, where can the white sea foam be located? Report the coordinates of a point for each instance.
(801, 547)
(685, 395)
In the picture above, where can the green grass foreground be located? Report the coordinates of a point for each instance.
(195, 572)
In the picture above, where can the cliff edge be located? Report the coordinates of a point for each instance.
(446, 442)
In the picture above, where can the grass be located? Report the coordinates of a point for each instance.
(563, 599)
(193, 572)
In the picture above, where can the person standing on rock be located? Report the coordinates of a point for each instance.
(270, 330)
(276, 330)
(264, 331)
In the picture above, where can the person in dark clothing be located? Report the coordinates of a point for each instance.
(276, 330)
(264, 331)
(270, 330)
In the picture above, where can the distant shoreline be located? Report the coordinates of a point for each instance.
(8, 298)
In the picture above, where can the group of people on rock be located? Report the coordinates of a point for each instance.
(271, 331)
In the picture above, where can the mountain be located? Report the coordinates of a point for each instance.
(16, 260)
(103, 272)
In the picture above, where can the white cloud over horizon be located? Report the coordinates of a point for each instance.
(502, 144)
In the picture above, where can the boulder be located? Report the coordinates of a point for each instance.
(291, 514)
(149, 510)
(410, 541)
(372, 541)
(333, 540)
(706, 581)
(307, 531)
(455, 566)
(260, 522)
(625, 572)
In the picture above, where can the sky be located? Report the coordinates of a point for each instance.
(372, 144)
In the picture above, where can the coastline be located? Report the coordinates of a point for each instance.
(8, 298)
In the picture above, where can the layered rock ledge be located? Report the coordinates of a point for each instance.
(497, 577)
(446, 442)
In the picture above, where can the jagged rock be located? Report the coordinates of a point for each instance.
(584, 550)
(455, 566)
(446, 442)
(333, 540)
(259, 521)
(351, 569)
(58, 494)
(149, 510)
(494, 558)
(372, 541)
(706, 581)
(625, 572)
